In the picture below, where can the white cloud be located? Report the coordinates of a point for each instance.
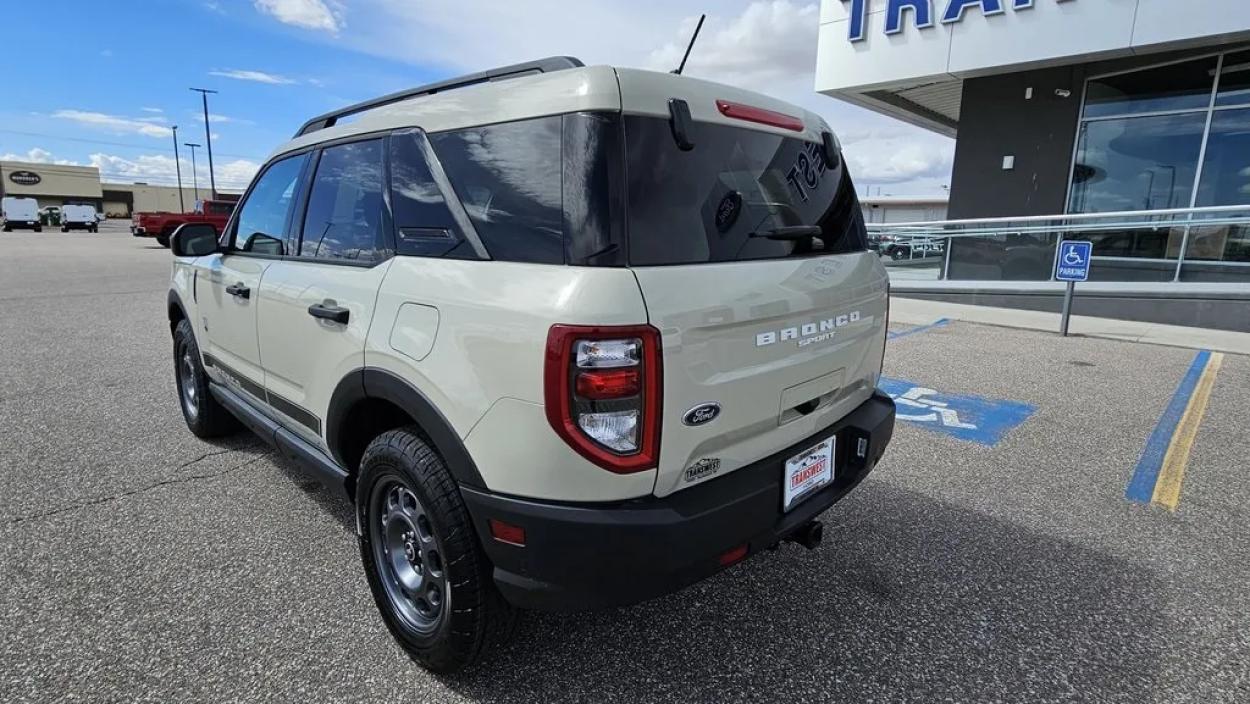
(254, 76)
(113, 123)
(160, 169)
(213, 6)
(37, 156)
(152, 110)
(899, 158)
(306, 14)
(216, 119)
(768, 42)
(763, 45)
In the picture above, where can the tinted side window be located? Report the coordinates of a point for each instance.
(508, 177)
(344, 217)
(261, 226)
(422, 221)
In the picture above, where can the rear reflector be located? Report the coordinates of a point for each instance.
(507, 533)
(608, 384)
(733, 556)
(750, 113)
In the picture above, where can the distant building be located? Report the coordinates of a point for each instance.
(896, 209)
(58, 184)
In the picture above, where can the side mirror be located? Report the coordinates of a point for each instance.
(194, 239)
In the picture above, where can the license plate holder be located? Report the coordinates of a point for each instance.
(807, 472)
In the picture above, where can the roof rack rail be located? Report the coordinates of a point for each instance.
(528, 68)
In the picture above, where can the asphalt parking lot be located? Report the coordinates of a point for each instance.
(998, 563)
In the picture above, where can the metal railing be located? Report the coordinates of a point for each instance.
(1182, 244)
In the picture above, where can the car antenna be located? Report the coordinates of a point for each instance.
(690, 45)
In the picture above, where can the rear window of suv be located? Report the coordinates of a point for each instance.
(565, 190)
(719, 201)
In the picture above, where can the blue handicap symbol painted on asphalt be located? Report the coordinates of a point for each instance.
(973, 418)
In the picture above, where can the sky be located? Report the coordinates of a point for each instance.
(110, 94)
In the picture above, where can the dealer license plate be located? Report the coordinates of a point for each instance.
(807, 472)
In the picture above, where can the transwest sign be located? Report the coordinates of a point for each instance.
(923, 13)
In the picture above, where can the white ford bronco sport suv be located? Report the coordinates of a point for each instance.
(568, 337)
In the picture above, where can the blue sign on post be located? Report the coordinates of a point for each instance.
(1073, 262)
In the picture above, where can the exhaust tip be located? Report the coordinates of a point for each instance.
(808, 535)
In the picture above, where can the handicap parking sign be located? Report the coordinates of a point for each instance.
(1073, 263)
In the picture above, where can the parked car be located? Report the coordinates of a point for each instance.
(900, 248)
(161, 225)
(568, 337)
(50, 216)
(20, 213)
(80, 217)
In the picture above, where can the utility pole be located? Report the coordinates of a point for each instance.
(178, 167)
(195, 177)
(208, 140)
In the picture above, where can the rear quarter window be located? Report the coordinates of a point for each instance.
(508, 177)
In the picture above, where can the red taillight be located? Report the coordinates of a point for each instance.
(608, 384)
(507, 533)
(750, 113)
(602, 393)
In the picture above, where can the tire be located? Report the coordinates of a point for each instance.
(898, 254)
(205, 417)
(64, 228)
(163, 240)
(38, 228)
(7, 228)
(417, 538)
(95, 229)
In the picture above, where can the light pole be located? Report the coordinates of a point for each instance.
(182, 206)
(208, 139)
(195, 177)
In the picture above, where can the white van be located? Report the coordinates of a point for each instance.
(79, 217)
(20, 213)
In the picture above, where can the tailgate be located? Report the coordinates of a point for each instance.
(784, 348)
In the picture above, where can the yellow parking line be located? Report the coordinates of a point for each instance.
(1168, 488)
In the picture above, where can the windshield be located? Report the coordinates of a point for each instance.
(739, 194)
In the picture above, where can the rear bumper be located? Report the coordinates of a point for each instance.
(139, 231)
(580, 557)
(22, 224)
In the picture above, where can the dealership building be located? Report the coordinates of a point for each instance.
(60, 184)
(1100, 111)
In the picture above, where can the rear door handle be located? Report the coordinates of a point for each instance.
(239, 290)
(336, 314)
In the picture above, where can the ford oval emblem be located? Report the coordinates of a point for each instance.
(701, 414)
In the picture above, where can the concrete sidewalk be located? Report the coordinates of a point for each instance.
(918, 312)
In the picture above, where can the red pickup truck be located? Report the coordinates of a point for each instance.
(162, 224)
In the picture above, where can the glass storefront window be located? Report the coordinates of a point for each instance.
(1234, 81)
(1136, 163)
(1183, 86)
(1226, 170)
(1218, 254)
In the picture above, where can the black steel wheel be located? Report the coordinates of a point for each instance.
(409, 557)
(204, 415)
(429, 577)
